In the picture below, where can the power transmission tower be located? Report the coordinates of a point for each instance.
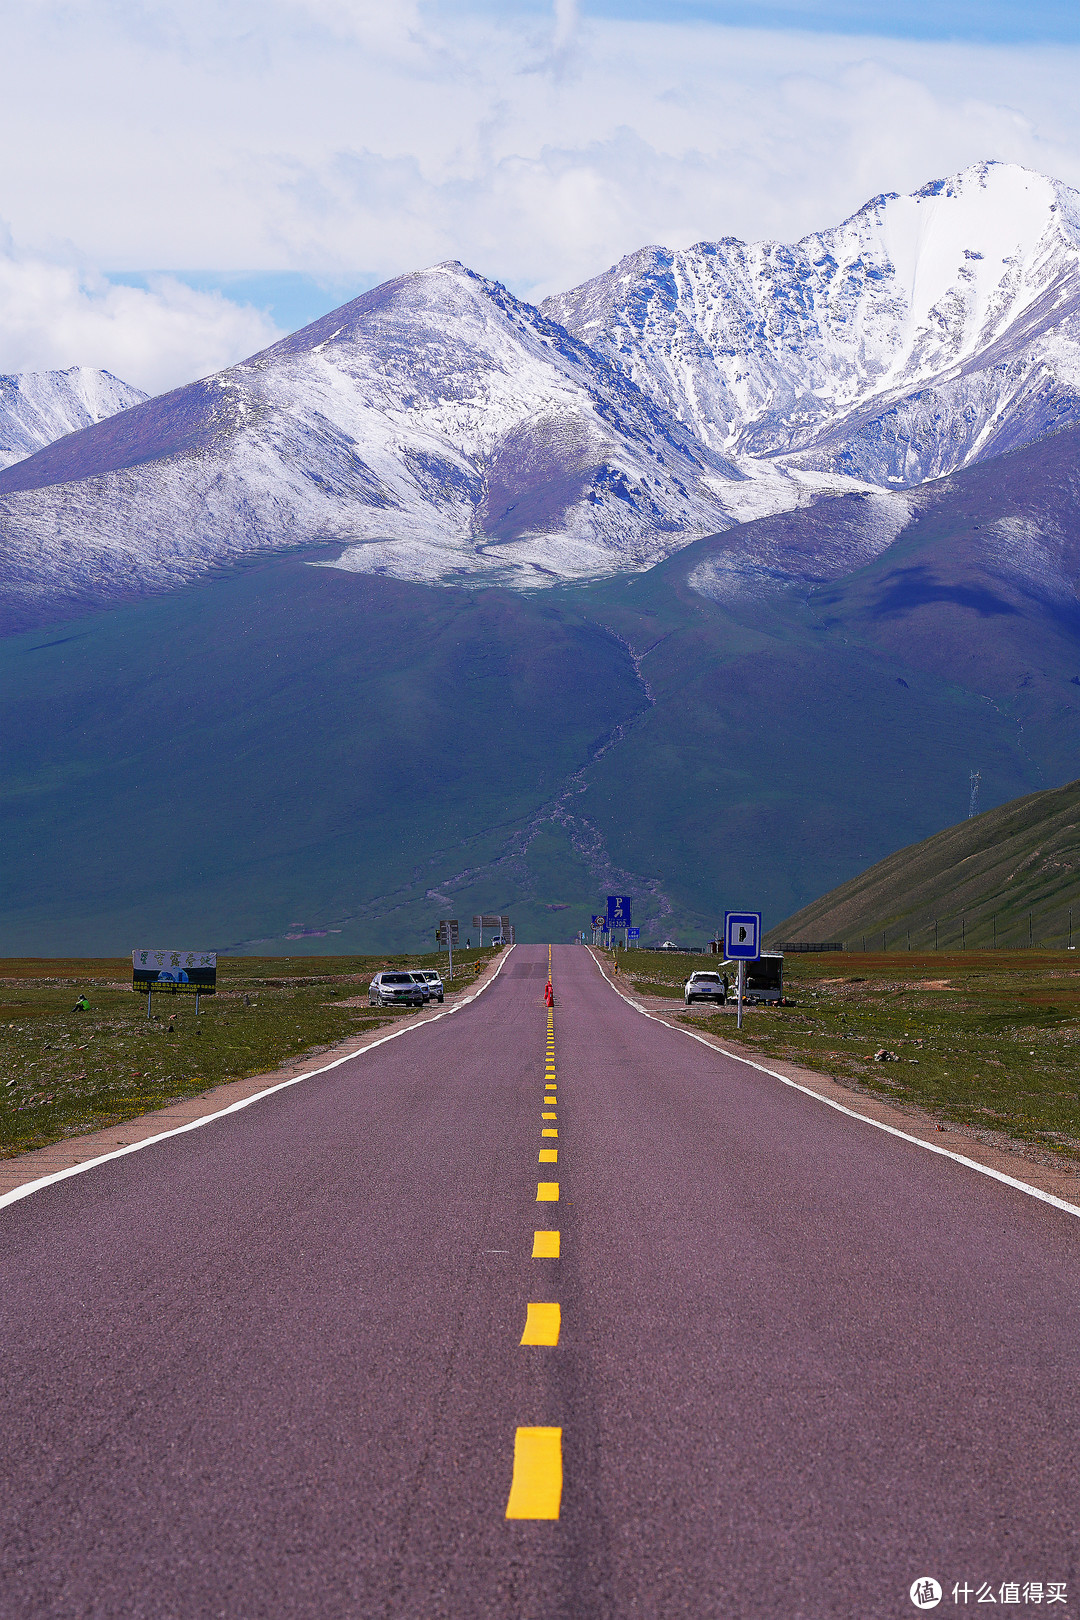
(973, 803)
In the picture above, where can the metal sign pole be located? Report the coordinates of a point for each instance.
(450, 949)
(742, 970)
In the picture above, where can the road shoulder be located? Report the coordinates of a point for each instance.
(75, 1150)
(1004, 1158)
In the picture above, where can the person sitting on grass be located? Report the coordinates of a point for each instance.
(82, 1005)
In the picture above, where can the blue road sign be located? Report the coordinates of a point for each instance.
(618, 910)
(633, 933)
(742, 935)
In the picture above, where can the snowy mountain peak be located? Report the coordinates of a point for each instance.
(813, 350)
(38, 407)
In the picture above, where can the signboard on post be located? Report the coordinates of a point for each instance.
(492, 920)
(633, 933)
(742, 944)
(618, 911)
(178, 972)
(448, 938)
(742, 935)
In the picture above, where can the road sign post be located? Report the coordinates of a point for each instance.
(742, 944)
(618, 913)
(448, 938)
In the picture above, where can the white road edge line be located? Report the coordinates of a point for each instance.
(29, 1187)
(890, 1130)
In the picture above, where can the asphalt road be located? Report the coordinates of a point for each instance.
(272, 1367)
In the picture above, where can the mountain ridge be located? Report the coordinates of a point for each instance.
(39, 407)
(825, 353)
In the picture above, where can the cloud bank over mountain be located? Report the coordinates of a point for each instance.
(55, 313)
(538, 146)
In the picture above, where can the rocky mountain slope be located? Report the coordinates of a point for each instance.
(38, 407)
(438, 430)
(434, 429)
(922, 334)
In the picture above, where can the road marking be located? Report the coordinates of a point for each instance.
(29, 1187)
(542, 1324)
(549, 1155)
(864, 1119)
(536, 1488)
(545, 1246)
(547, 1192)
(549, 1116)
(548, 1132)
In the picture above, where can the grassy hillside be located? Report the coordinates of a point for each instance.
(291, 759)
(1007, 877)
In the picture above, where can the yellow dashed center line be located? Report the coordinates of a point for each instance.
(536, 1488)
(542, 1323)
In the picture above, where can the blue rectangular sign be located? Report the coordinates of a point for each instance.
(618, 910)
(742, 935)
(633, 933)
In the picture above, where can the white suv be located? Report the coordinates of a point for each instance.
(433, 981)
(704, 987)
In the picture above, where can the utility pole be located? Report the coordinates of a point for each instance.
(974, 777)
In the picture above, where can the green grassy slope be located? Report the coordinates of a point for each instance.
(285, 751)
(289, 758)
(1003, 876)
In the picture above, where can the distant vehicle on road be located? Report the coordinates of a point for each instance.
(704, 987)
(764, 979)
(498, 940)
(433, 981)
(395, 990)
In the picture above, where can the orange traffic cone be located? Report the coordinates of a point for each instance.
(549, 995)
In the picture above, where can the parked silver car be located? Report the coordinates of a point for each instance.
(395, 989)
(705, 987)
(433, 981)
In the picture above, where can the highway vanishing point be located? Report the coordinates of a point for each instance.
(535, 1315)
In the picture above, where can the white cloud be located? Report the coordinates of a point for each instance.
(52, 315)
(337, 136)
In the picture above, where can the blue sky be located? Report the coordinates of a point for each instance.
(994, 23)
(185, 180)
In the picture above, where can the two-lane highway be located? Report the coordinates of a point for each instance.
(327, 1357)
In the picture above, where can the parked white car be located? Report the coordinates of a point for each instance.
(705, 987)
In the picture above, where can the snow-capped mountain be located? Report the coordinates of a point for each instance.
(439, 429)
(38, 407)
(922, 334)
(435, 428)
